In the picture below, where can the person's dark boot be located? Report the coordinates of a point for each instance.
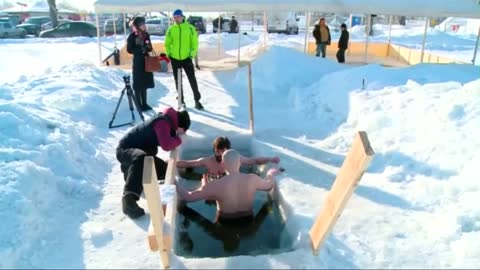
(198, 105)
(198, 67)
(130, 206)
(145, 106)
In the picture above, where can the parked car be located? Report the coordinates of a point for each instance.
(13, 19)
(108, 29)
(225, 25)
(48, 26)
(33, 25)
(71, 29)
(7, 30)
(157, 26)
(198, 22)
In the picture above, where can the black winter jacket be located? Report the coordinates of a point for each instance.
(318, 35)
(343, 41)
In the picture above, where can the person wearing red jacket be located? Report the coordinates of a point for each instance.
(143, 140)
(164, 61)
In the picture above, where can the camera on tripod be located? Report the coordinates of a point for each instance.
(132, 101)
(126, 79)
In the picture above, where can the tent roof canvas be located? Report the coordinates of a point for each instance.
(433, 8)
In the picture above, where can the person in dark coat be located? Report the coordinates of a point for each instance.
(233, 25)
(321, 32)
(342, 43)
(139, 44)
(143, 140)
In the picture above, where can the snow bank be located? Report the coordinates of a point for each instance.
(52, 169)
(328, 98)
(287, 68)
(424, 136)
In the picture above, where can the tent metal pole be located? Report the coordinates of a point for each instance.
(98, 38)
(389, 35)
(390, 30)
(125, 26)
(424, 39)
(219, 30)
(307, 31)
(239, 44)
(349, 29)
(476, 47)
(169, 19)
(367, 31)
(265, 30)
(114, 30)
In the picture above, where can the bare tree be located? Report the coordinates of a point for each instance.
(53, 12)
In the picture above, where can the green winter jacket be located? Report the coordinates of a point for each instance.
(181, 41)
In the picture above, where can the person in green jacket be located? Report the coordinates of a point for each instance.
(181, 44)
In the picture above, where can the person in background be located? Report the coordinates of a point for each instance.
(214, 163)
(321, 32)
(342, 43)
(233, 25)
(181, 44)
(139, 44)
(143, 140)
(164, 61)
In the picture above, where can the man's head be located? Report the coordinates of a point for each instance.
(178, 16)
(322, 21)
(343, 27)
(139, 23)
(183, 122)
(220, 145)
(233, 17)
(231, 161)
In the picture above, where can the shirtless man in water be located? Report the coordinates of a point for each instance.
(235, 192)
(213, 163)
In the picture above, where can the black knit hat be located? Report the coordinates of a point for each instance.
(343, 26)
(184, 120)
(138, 21)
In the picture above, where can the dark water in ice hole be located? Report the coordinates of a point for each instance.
(197, 234)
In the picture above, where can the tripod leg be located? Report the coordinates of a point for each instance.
(116, 108)
(131, 97)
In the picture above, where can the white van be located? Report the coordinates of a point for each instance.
(282, 22)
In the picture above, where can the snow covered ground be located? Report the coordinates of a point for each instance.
(60, 185)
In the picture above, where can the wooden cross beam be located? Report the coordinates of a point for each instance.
(352, 170)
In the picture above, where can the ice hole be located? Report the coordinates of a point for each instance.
(196, 233)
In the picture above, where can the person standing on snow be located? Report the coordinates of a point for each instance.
(233, 25)
(322, 37)
(139, 44)
(342, 44)
(181, 44)
(143, 140)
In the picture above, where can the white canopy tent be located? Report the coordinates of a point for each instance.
(426, 8)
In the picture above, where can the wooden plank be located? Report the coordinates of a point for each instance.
(152, 238)
(169, 210)
(154, 202)
(352, 170)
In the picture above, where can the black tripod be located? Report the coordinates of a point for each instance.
(131, 100)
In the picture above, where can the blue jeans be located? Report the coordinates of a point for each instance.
(321, 48)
